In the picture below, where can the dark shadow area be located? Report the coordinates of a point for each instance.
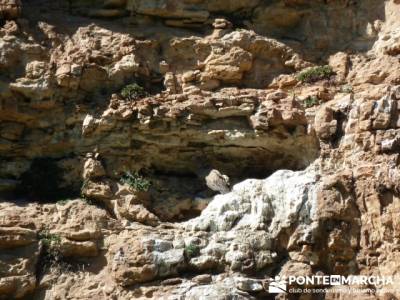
(341, 118)
(178, 174)
(43, 182)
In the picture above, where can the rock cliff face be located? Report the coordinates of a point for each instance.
(113, 112)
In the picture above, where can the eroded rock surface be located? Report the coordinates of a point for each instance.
(114, 114)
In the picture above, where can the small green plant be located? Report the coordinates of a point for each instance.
(192, 250)
(133, 91)
(315, 74)
(51, 256)
(311, 101)
(135, 181)
(49, 240)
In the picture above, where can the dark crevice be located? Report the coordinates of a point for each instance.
(340, 117)
(43, 182)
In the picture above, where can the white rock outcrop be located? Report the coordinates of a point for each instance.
(271, 204)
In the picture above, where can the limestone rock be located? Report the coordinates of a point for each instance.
(203, 279)
(221, 24)
(383, 113)
(218, 182)
(144, 260)
(78, 249)
(256, 203)
(125, 209)
(37, 89)
(390, 145)
(220, 290)
(168, 9)
(16, 237)
(99, 190)
(124, 68)
(314, 166)
(93, 169)
(228, 67)
(18, 269)
(340, 64)
(325, 124)
(89, 124)
(248, 284)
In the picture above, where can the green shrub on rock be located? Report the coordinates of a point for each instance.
(51, 255)
(192, 250)
(315, 74)
(133, 91)
(49, 240)
(135, 181)
(311, 101)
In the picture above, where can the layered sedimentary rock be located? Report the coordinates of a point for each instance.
(114, 112)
